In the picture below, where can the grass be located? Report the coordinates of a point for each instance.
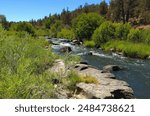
(89, 44)
(129, 49)
(24, 61)
(73, 78)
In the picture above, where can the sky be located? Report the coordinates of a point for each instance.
(25, 10)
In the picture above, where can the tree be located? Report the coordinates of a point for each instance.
(55, 28)
(66, 17)
(85, 24)
(103, 8)
(3, 21)
(122, 9)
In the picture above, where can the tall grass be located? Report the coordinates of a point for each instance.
(23, 62)
(130, 49)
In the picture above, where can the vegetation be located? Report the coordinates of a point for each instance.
(25, 56)
(130, 49)
(73, 79)
(104, 33)
(85, 24)
(89, 44)
(66, 33)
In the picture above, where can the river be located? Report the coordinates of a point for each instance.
(136, 72)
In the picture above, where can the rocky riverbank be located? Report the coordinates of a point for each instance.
(108, 86)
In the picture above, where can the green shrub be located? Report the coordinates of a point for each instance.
(122, 30)
(66, 33)
(89, 44)
(146, 36)
(135, 35)
(85, 24)
(104, 33)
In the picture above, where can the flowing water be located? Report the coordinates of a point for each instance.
(136, 72)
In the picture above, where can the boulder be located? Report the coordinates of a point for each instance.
(148, 57)
(58, 66)
(110, 68)
(112, 50)
(62, 93)
(114, 89)
(76, 42)
(65, 49)
(107, 87)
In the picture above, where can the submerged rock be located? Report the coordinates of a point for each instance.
(65, 49)
(110, 68)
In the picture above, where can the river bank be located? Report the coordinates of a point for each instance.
(128, 49)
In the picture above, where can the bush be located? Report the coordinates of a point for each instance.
(104, 33)
(122, 30)
(66, 33)
(23, 26)
(85, 24)
(135, 35)
(89, 44)
(146, 36)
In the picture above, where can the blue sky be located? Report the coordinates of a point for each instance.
(25, 10)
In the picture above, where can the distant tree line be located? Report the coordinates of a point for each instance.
(136, 12)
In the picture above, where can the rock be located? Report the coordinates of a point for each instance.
(83, 62)
(55, 81)
(112, 50)
(120, 53)
(81, 67)
(66, 49)
(110, 68)
(148, 57)
(107, 87)
(62, 93)
(76, 42)
(89, 53)
(113, 89)
(58, 66)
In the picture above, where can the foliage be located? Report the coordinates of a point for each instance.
(23, 26)
(146, 36)
(23, 64)
(130, 49)
(56, 28)
(89, 44)
(66, 33)
(104, 33)
(122, 30)
(135, 35)
(85, 24)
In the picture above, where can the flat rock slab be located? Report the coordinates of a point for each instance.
(58, 66)
(108, 86)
